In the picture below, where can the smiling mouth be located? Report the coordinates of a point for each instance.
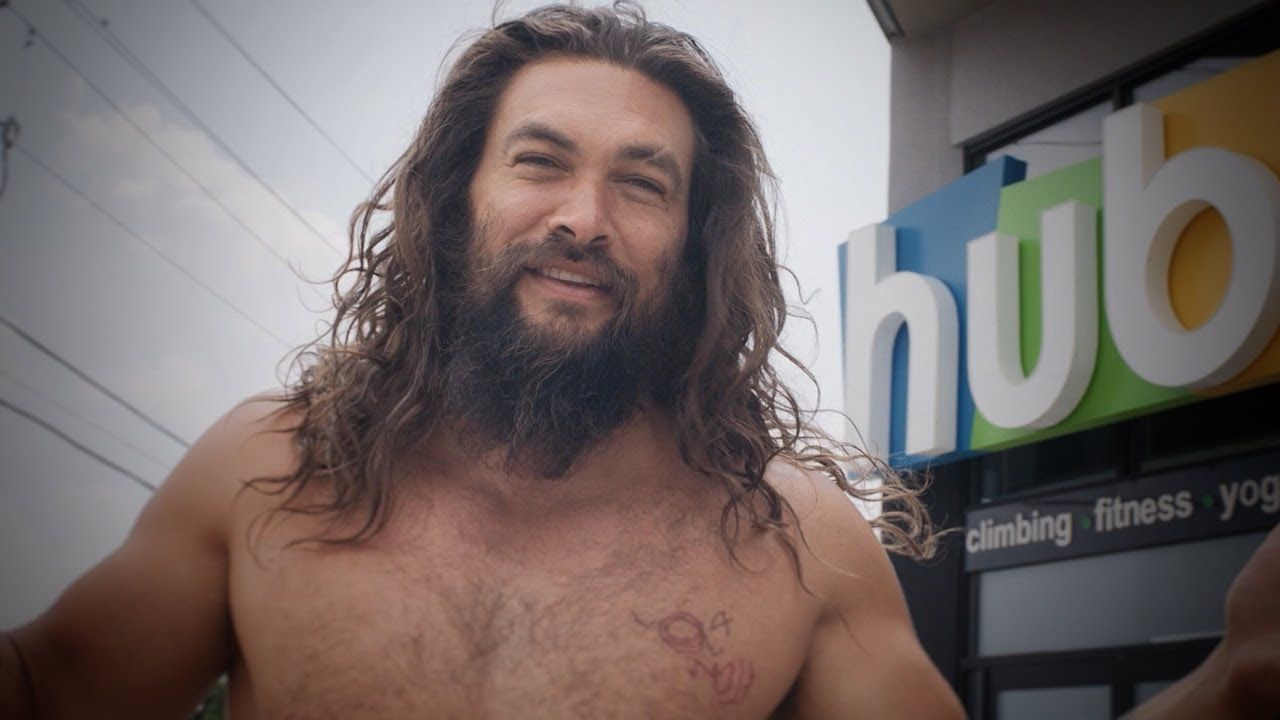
(571, 278)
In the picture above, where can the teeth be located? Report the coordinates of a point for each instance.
(569, 277)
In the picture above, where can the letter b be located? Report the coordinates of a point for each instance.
(1149, 202)
(1024, 529)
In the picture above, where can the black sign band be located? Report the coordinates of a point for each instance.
(1220, 498)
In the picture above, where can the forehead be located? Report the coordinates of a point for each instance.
(595, 103)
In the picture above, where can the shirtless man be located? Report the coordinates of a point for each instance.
(542, 467)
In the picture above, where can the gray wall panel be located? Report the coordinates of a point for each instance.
(1015, 55)
(921, 157)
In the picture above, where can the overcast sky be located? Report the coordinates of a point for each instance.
(155, 250)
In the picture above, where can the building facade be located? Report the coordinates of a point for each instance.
(1069, 321)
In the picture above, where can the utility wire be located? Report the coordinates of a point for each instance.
(155, 144)
(149, 245)
(96, 385)
(101, 26)
(100, 427)
(75, 443)
(9, 129)
(226, 34)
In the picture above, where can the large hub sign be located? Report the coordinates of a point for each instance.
(998, 311)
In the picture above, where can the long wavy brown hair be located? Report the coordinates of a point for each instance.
(369, 389)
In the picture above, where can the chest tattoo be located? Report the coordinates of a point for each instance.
(704, 646)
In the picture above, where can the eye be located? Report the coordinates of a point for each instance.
(541, 161)
(646, 184)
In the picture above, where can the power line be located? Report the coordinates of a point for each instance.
(100, 427)
(75, 443)
(9, 129)
(100, 26)
(149, 245)
(96, 385)
(226, 34)
(155, 144)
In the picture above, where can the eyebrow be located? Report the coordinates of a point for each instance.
(656, 156)
(536, 130)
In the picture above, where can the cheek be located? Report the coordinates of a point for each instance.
(519, 210)
(651, 236)
(500, 219)
(659, 272)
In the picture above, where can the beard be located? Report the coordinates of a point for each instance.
(537, 396)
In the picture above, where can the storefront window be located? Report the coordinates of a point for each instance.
(1082, 457)
(1144, 691)
(1210, 429)
(1066, 142)
(1190, 74)
(1084, 702)
(1154, 595)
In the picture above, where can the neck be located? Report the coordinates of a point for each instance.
(640, 457)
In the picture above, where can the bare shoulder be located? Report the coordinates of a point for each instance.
(840, 553)
(253, 439)
(256, 432)
(864, 652)
(143, 632)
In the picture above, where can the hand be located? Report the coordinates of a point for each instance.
(1251, 645)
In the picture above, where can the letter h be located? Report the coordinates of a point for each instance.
(879, 301)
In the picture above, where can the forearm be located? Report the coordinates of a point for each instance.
(1217, 688)
(1240, 680)
(17, 697)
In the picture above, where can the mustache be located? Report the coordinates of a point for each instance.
(503, 269)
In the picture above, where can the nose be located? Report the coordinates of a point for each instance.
(583, 213)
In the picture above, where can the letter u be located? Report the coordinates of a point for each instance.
(1002, 391)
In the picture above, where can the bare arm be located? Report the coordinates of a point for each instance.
(865, 659)
(1241, 677)
(144, 632)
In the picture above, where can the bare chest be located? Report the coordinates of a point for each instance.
(628, 625)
